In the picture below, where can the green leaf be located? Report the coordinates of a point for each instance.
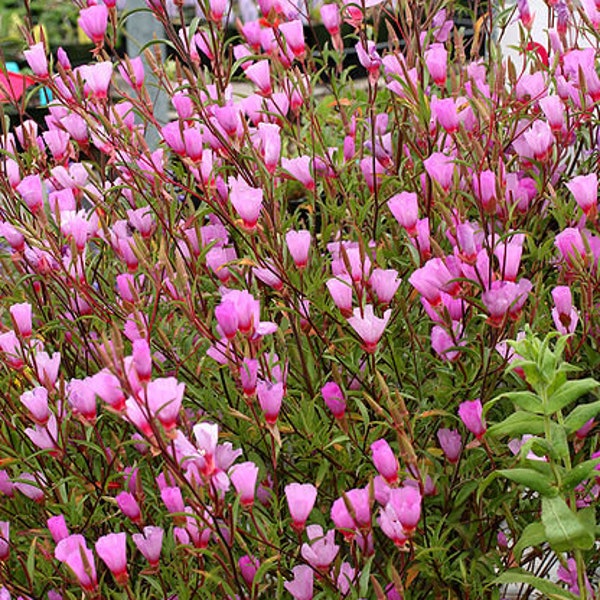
(564, 530)
(558, 440)
(518, 424)
(568, 393)
(526, 401)
(526, 477)
(31, 559)
(533, 535)
(363, 582)
(580, 415)
(549, 589)
(579, 473)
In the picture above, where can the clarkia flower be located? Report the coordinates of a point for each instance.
(112, 549)
(301, 499)
(471, 414)
(369, 327)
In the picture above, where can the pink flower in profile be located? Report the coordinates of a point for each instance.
(571, 246)
(554, 110)
(149, 543)
(330, 16)
(94, 21)
(359, 500)
(31, 188)
(471, 414)
(391, 526)
(585, 191)
(293, 33)
(405, 208)
(36, 59)
(58, 528)
(385, 284)
(451, 444)
(301, 499)
(301, 587)
(369, 327)
(385, 461)
(36, 402)
(341, 290)
(132, 72)
(129, 506)
(444, 111)
(260, 74)
(334, 399)
(21, 317)
(112, 549)
(298, 243)
(299, 169)
(73, 551)
(47, 368)
(246, 200)
(436, 60)
(484, 187)
(243, 476)
(97, 77)
(540, 139)
(270, 397)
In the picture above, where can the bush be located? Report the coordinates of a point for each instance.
(326, 339)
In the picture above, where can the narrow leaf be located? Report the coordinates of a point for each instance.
(549, 589)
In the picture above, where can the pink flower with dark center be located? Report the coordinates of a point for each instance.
(369, 327)
(301, 499)
(564, 315)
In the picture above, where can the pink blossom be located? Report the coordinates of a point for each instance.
(451, 443)
(405, 208)
(94, 21)
(36, 59)
(334, 399)
(246, 200)
(321, 550)
(112, 549)
(73, 551)
(369, 327)
(149, 543)
(243, 476)
(301, 499)
(585, 191)
(301, 587)
(471, 414)
(385, 461)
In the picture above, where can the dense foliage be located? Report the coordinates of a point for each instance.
(329, 338)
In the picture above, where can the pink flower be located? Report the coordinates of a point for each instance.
(330, 15)
(369, 327)
(359, 500)
(248, 566)
(445, 113)
(21, 317)
(132, 72)
(451, 444)
(436, 59)
(129, 506)
(322, 549)
(385, 284)
(112, 549)
(94, 21)
(47, 368)
(471, 414)
(585, 191)
(243, 476)
(334, 399)
(405, 208)
(301, 499)
(31, 189)
(74, 552)
(4, 540)
(293, 33)
(385, 461)
(298, 243)
(36, 59)
(149, 543)
(299, 169)
(564, 315)
(270, 397)
(58, 528)
(340, 289)
(260, 74)
(301, 587)
(97, 76)
(246, 200)
(164, 397)
(440, 168)
(406, 502)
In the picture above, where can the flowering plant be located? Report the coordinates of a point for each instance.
(294, 348)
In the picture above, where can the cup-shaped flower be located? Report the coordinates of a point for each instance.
(112, 549)
(385, 461)
(129, 506)
(36, 402)
(164, 397)
(243, 476)
(322, 549)
(270, 397)
(58, 528)
(301, 499)
(260, 74)
(385, 284)
(36, 59)
(73, 551)
(301, 587)
(352, 511)
(405, 208)
(585, 191)
(332, 20)
(564, 315)
(298, 243)
(246, 200)
(436, 60)
(406, 502)
(4, 540)
(149, 543)
(248, 566)
(94, 21)
(471, 414)
(369, 327)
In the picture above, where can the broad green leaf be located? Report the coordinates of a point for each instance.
(568, 392)
(526, 477)
(579, 473)
(527, 401)
(558, 440)
(580, 415)
(533, 535)
(518, 424)
(564, 530)
(549, 589)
